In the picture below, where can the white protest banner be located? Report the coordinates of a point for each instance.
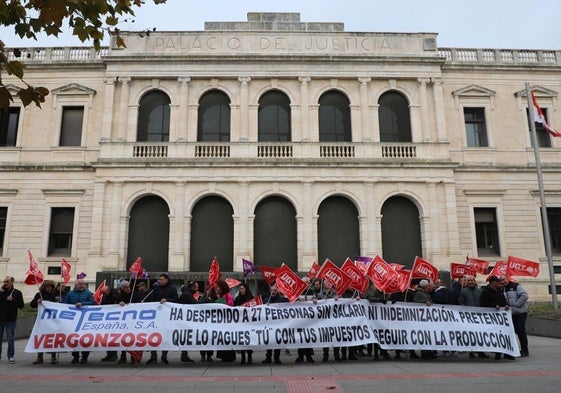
(343, 322)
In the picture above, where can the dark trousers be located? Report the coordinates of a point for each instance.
(274, 352)
(519, 322)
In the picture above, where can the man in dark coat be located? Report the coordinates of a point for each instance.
(163, 292)
(492, 296)
(11, 300)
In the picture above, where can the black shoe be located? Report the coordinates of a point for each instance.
(122, 360)
(482, 355)
(472, 355)
(386, 356)
(353, 357)
(277, 361)
(299, 359)
(84, 360)
(75, 361)
(337, 358)
(325, 358)
(164, 360)
(413, 355)
(310, 359)
(497, 356)
(509, 357)
(397, 356)
(108, 358)
(524, 354)
(267, 361)
(152, 361)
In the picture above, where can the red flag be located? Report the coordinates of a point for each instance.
(480, 265)
(65, 271)
(330, 272)
(232, 282)
(382, 274)
(540, 118)
(424, 269)
(269, 274)
(256, 301)
(214, 272)
(136, 268)
(313, 271)
(521, 267)
(500, 269)
(33, 274)
(289, 283)
(359, 281)
(400, 283)
(98, 294)
(136, 355)
(396, 266)
(458, 270)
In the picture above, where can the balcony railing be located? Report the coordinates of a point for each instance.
(150, 151)
(218, 151)
(337, 151)
(501, 56)
(399, 151)
(274, 151)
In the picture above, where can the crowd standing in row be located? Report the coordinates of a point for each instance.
(499, 293)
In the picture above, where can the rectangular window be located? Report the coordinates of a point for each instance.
(3, 215)
(554, 221)
(486, 231)
(543, 137)
(9, 126)
(61, 233)
(71, 128)
(476, 130)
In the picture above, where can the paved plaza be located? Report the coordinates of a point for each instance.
(541, 372)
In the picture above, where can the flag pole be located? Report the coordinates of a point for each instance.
(543, 206)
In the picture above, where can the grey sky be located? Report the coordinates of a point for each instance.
(516, 24)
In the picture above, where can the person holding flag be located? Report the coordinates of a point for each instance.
(46, 292)
(11, 300)
(80, 296)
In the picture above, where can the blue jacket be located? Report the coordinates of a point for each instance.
(74, 296)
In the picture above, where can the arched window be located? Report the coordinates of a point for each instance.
(274, 117)
(274, 233)
(149, 234)
(214, 117)
(395, 121)
(338, 230)
(212, 234)
(401, 231)
(334, 118)
(153, 117)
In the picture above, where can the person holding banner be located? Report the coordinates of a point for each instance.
(209, 297)
(11, 300)
(244, 295)
(46, 292)
(187, 296)
(80, 296)
(274, 297)
(470, 296)
(493, 297)
(517, 298)
(423, 293)
(163, 292)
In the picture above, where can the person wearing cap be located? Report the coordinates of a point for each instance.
(493, 297)
(517, 298)
(423, 293)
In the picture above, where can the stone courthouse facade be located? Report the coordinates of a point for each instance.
(278, 140)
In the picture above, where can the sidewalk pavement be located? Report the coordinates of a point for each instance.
(540, 372)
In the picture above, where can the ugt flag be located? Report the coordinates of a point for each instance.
(214, 272)
(98, 294)
(289, 283)
(65, 271)
(521, 267)
(424, 269)
(33, 274)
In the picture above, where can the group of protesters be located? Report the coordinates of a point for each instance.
(498, 293)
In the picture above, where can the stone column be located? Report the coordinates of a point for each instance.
(364, 121)
(183, 117)
(439, 110)
(244, 109)
(426, 133)
(177, 231)
(308, 250)
(97, 219)
(356, 118)
(368, 244)
(108, 109)
(305, 107)
(242, 225)
(115, 208)
(123, 108)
